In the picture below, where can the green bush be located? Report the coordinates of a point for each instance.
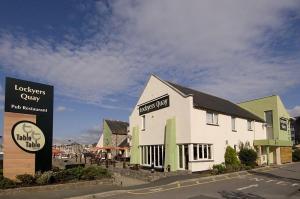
(67, 175)
(296, 155)
(26, 179)
(45, 178)
(94, 172)
(248, 157)
(6, 183)
(231, 157)
(233, 168)
(219, 168)
(55, 169)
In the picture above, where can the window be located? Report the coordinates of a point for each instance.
(211, 118)
(143, 122)
(202, 151)
(209, 151)
(233, 124)
(269, 118)
(152, 154)
(195, 151)
(250, 125)
(180, 156)
(205, 151)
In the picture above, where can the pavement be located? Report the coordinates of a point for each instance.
(280, 182)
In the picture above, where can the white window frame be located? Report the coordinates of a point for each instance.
(214, 116)
(202, 146)
(233, 124)
(250, 127)
(143, 122)
(147, 152)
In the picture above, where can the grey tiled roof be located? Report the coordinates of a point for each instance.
(209, 102)
(117, 127)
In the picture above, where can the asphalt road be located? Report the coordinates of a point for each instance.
(283, 182)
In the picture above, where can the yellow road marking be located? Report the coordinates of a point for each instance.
(177, 187)
(183, 186)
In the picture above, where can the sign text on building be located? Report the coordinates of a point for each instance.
(154, 105)
(283, 124)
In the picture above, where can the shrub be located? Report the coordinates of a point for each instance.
(248, 157)
(219, 168)
(6, 183)
(233, 168)
(94, 172)
(55, 169)
(231, 157)
(26, 179)
(296, 155)
(68, 174)
(45, 178)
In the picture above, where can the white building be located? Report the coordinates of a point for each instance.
(184, 129)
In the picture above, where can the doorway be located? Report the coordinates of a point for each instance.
(183, 153)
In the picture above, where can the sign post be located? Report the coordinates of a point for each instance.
(28, 126)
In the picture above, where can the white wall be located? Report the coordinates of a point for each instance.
(217, 135)
(156, 120)
(100, 142)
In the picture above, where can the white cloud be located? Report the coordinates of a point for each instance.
(63, 109)
(295, 112)
(88, 136)
(217, 46)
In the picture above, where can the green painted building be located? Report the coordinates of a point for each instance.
(114, 137)
(276, 148)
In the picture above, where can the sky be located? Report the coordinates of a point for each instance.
(99, 54)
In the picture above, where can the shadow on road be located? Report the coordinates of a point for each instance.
(273, 176)
(240, 195)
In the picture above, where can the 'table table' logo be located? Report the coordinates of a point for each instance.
(28, 136)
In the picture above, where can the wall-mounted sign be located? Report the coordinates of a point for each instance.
(283, 123)
(154, 105)
(28, 136)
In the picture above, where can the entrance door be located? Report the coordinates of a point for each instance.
(186, 157)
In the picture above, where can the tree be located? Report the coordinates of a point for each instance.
(231, 157)
(248, 156)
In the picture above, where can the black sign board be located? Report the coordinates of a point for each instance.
(154, 105)
(28, 97)
(283, 123)
(35, 99)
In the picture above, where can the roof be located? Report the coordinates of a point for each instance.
(124, 143)
(260, 98)
(117, 127)
(205, 101)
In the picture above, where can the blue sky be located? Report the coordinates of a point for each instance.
(99, 54)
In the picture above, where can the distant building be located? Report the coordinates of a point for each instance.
(278, 145)
(72, 148)
(114, 136)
